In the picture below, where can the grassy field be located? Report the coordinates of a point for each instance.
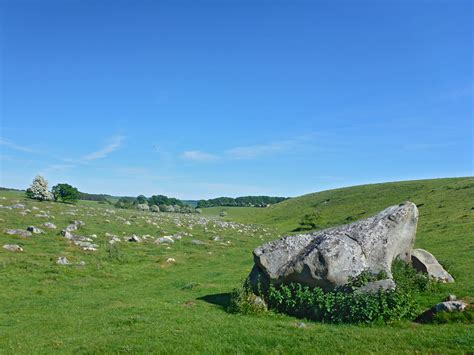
(130, 299)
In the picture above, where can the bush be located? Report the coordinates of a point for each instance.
(113, 253)
(143, 207)
(244, 301)
(342, 305)
(154, 208)
(65, 193)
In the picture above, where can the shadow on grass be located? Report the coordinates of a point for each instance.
(219, 299)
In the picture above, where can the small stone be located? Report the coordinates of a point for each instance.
(301, 325)
(197, 242)
(114, 240)
(34, 230)
(164, 240)
(171, 260)
(13, 247)
(450, 306)
(62, 260)
(452, 298)
(18, 205)
(49, 225)
(134, 239)
(127, 223)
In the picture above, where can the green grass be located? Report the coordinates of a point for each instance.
(136, 302)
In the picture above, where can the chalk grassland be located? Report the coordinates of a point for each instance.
(129, 299)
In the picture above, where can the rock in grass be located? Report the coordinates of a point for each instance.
(134, 239)
(425, 262)
(164, 240)
(329, 258)
(62, 260)
(20, 232)
(18, 205)
(34, 230)
(114, 240)
(450, 306)
(197, 242)
(49, 225)
(376, 286)
(13, 247)
(447, 306)
(171, 260)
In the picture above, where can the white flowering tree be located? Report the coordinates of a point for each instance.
(39, 190)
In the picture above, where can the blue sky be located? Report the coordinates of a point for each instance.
(199, 99)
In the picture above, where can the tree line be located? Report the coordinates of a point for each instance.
(245, 201)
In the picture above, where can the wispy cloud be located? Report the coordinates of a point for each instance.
(14, 146)
(115, 144)
(249, 152)
(199, 156)
(260, 150)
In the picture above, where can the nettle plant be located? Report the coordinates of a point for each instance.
(341, 305)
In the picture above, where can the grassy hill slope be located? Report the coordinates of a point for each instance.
(446, 222)
(129, 299)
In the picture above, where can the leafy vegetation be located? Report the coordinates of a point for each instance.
(245, 201)
(345, 304)
(65, 193)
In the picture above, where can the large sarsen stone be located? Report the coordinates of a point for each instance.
(329, 258)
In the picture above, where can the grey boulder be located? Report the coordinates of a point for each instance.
(12, 247)
(329, 258)
(425, 262)
(20, 232)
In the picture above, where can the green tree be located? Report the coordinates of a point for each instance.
(142, 200)
(65, 193)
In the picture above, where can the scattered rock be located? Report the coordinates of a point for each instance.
(171, 260)
(164, 240)
(114, 240)
(450, 306)
(13, 247)
(128, 223)
(329, 258)
(20, 232)
(447, 306)
(62, 260)
(49, 225)
(134, 239)
(34, 230)
(18, 205)
(216, 238)
(301, 325)
(425, 262)
(197, 242)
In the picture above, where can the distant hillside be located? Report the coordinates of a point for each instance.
(441, 199)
